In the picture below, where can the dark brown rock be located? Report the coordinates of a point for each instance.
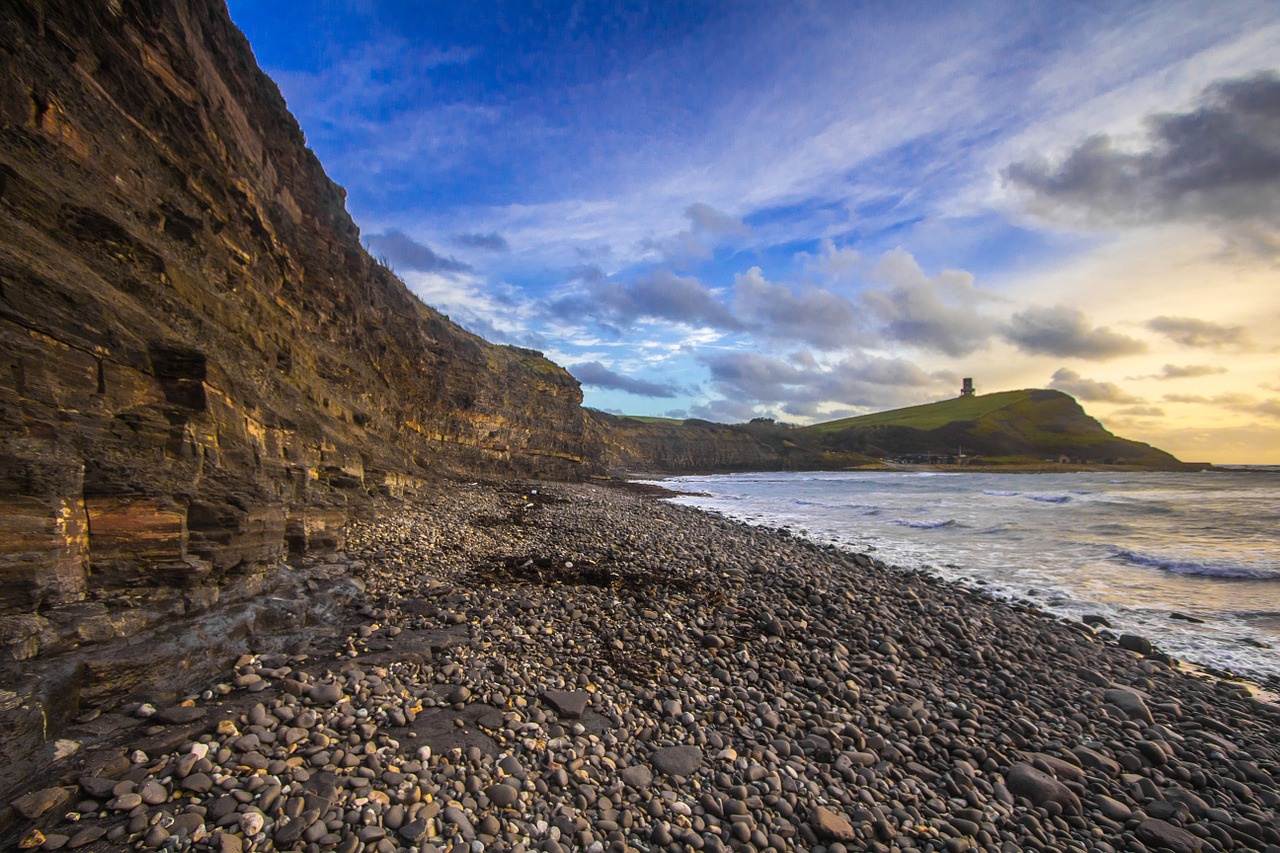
(1040, 788)
(568, 703)
(85, 836)
(833, 825)
(180, 714)
(36, 803)
(502, 796)
(1130, 701)
(677, 760)
(1161, 835)
(1134, 643)
(637, 776)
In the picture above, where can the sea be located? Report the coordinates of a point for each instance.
(1189, 560)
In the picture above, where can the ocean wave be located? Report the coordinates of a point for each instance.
(925, 525)
(1195, 567)
(1111, 529)
(997, 493)
(1051, 499)
(866, 508)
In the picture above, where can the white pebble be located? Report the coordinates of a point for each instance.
(251, 823)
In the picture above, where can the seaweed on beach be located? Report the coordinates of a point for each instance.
(549, 571)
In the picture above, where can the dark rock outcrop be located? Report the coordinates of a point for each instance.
(658, 445)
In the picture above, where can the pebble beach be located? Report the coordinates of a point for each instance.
(582, 667)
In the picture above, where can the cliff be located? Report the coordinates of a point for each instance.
(659, 445)
(201, 370)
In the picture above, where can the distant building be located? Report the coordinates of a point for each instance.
(966, 390)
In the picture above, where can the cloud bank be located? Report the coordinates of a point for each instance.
(1064, 331)
(1203, 334)
(1071, 382)
(1218, 163)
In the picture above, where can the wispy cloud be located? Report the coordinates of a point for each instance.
(806, 314)
(1186, 371)
(1234, 401)
(660, 294)
(802, 385)
(708, 229)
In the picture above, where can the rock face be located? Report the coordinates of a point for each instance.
(681, 446)
(203, 370)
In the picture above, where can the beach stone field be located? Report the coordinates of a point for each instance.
(582, 667)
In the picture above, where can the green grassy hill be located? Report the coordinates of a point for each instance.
(1031, 427)
(1027, 426)
(929, 415)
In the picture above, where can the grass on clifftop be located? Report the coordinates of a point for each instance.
(648, 419)
(930, 415)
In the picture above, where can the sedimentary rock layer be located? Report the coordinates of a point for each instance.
(201, 369)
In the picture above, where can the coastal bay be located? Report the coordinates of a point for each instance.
(292, 560)
(563, 667)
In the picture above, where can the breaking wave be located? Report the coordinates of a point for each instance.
(1195, 567)
(925, 525)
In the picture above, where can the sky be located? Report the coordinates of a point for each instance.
(809, 210)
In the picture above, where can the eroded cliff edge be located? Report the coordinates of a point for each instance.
(202, 369)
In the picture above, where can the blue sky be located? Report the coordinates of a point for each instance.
(809, 210)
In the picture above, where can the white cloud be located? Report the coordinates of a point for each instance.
(942, 313)
(1064, 331)
(1071, 382)
(806, 314)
